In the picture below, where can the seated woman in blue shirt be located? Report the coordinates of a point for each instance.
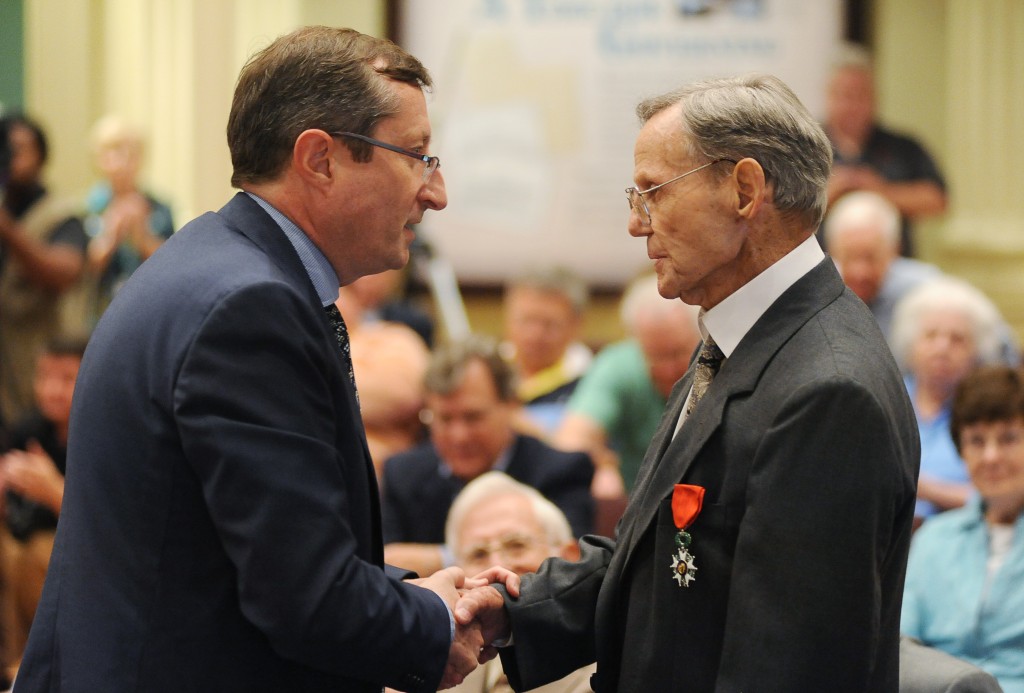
(965, 578)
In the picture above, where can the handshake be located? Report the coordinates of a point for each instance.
(480, 616)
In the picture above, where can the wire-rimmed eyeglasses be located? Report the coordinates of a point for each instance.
(432, 162)
(638, 204)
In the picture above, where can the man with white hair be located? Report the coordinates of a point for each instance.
(862, 234)
(495, 520)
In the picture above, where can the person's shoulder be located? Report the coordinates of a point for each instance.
(535, 454)
(942, 526)
(883, 136)
(416, 463)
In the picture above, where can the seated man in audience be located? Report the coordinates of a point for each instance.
(471, 406)
(543, 320)
(32, 474)
(964, 590)
(496, 520)
(862, 234)
(619, 401)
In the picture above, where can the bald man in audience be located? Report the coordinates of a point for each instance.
(862, 234)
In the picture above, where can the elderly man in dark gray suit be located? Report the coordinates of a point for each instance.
(765, 544)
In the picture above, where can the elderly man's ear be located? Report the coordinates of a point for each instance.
(749, 178)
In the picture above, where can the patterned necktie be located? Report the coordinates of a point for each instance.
(341, 334)
(708, 363)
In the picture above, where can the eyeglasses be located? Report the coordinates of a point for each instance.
(511, 547)
(432, 162)
(638, 204)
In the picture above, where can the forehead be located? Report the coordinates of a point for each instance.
(410, 120)
(497, 516)
(661, 142)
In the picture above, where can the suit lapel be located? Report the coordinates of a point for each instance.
(669, 459)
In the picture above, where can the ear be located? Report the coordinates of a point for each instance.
(751, 187)
(311, 157)
(570, 552)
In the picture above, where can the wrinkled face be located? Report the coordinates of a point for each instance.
(541, 325)
(471, 425)
(26, 160)
(667, 346)
(994, 454)
(365, 223)
(54, 385)
(503, 531)
(851, 101)
(944, 350)
(694, 238)
(863, 258)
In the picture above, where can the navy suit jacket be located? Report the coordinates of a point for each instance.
(220, 528)
(807, 447)
(417, 494)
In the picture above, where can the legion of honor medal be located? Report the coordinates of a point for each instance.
(687, 500)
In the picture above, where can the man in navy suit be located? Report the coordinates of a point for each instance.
(220, 528)
(472, 407)
(765, 542)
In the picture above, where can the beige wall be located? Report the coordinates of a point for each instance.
(949, 71)
(169, 65)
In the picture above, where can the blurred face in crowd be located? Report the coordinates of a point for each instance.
(366, 225)
(851, 101)
(994, 454)
(863, 257)
(471, 425)
(944, 350)
(693, 237)
(26, 163)
(540, 325)
(119, 159)
(505, 531)
(667, 346)
(54, 385)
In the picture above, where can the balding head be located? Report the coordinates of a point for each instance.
(862, 234)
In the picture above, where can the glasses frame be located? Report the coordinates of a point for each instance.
(432, 162)
(633, 194)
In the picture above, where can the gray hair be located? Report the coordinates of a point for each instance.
(555, 280)
(946, 293)
(448, 366)
(642, 299)
(861, 208)
(757, 116)
(851, 55)
(496, 484)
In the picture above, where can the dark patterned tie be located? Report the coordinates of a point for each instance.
(341, 334)
(708, 363)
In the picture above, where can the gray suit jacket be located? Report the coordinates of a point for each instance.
(808, 449)
(924, 669)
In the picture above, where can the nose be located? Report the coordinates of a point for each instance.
(635, 227)
(433, 193)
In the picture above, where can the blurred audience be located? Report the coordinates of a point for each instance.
(618, 403)
(965, 577)
(470, 408)
(941, 330)
(496, 520)
(543, 321)
(871, 157)
(389, 360)
(862, 234)
(32, 477)
(125, 223)
(379, 298)
(42, 259)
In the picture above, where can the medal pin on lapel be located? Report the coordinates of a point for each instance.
(687, 500)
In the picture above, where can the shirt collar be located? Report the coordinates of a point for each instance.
(323, 276)
(730, 320)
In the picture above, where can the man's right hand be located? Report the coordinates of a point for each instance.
(464, 654)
